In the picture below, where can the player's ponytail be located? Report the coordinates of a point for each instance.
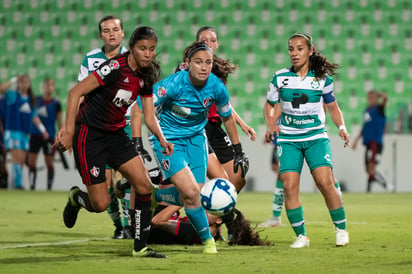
(318, 63)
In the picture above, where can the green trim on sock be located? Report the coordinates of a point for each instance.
(297, 220)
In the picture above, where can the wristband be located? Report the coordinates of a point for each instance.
(342, 127)
(41, 128)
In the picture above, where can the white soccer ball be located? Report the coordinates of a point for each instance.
(218, 196)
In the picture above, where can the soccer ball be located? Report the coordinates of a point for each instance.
(218, 196)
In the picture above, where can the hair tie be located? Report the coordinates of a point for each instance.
(304, 35)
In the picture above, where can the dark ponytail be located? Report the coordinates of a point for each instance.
(318, 63)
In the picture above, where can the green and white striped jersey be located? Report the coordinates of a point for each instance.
(93, 60)
(301, 101)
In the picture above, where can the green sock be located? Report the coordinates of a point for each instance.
(125, 206)
(278, 199)
(113, 209)
(297, 220)
(338, 217)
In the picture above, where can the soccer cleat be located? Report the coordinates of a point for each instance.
(147, 252)
(118, 233)
(300, 242)
(71, 209)
(209, 246)
(118, 191)
(271, 222)
(128, 232)
(342, 237)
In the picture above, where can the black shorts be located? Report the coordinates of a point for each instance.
(93, 148)
(37, 142)
(220, 142)
(373, 152)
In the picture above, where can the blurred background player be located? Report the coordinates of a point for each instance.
(374, 121)
(18, 113)
(48, 109)
(300, 89)
(111, 33)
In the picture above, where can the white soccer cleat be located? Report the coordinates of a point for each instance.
(271, 222)
(300, 242)
(342, 237)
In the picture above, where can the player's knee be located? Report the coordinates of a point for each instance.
(100, 205)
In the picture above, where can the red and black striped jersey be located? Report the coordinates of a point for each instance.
(106, 106)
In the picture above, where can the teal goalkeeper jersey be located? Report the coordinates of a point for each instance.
(182, 109)
(301, 101)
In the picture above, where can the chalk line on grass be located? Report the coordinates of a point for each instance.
(53, 243)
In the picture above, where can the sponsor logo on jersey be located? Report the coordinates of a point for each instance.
(126, 80)
(183, 112)
(166, 164)
(327, 157)
(141, 83)
(25, 108)
(315, 83)
(285, 82)
(95, 171)
(94, 63)
(298, 121)
(42, 111)
(122, 98)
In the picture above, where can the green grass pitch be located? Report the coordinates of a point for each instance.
(33, 239)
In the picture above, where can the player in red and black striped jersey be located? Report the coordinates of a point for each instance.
(106, 106)
(97, 133)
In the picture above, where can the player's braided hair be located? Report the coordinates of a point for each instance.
(151, 73)
(243, 234)
(318, 63)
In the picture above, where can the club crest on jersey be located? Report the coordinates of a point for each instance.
(114, 64)
(141, 83)
(206, 102)
(166, 164)
(95, 171)
(315, 83)
(161, 91)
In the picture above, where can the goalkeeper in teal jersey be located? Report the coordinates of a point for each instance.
(300, 92)
(111, 32)
(182, 102)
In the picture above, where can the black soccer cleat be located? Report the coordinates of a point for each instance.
(71, 211)
(147, 252)
(118, 233)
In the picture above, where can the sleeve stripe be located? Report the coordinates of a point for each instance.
(98, 78)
